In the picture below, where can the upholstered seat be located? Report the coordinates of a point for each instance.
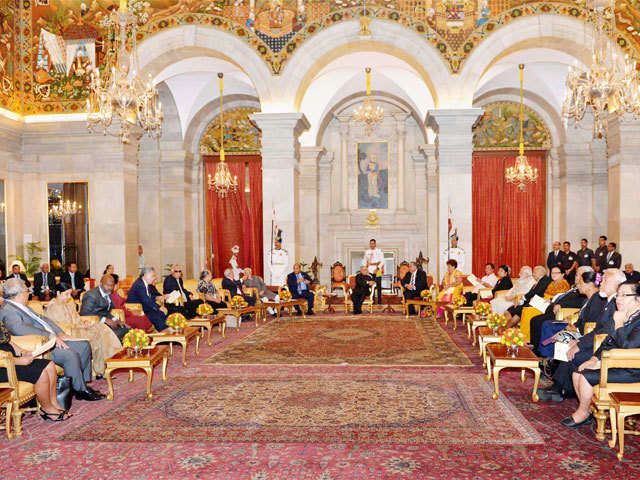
(21, 394)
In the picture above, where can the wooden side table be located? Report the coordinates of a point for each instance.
(208, 323)
(623, 404)
(146, 360)
(183, 338)
(498, 359)
(256, 311)
(6, 402)
(485, 337)
(473, 324)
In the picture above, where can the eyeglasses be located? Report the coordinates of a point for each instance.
(177, 271)
(626, 295)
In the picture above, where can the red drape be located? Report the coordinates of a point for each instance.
(508, 225)
(232, 220)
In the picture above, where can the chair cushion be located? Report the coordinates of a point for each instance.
(25, 390)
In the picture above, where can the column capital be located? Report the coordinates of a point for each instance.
(311, 155)
(281, 123)
(456, 118)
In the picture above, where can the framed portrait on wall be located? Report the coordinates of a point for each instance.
(373, 174)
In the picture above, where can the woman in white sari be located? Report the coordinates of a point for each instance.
(104, 343)
(520, 287)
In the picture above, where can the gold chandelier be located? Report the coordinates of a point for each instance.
(521, 173)
(368, 113)
(64, 208)
(610, 85)
(222, 182)
(120, 94)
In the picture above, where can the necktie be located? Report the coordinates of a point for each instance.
(73, 281)
(413, 279)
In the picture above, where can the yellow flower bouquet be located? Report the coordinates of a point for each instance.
(204, 309)
(285, 295)
(458, 301)
(176, 321)
(496, 321)
(136, 339)
(482, 309)
(425, 294)
(513, 338)
(237, 302)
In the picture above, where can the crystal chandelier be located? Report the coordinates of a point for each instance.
(120, 94)
(610, 85)
(64, 209)
(521, 173)
(368, 113)
(222, 182)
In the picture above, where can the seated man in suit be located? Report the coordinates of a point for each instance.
(364, 283)
(174, 282)
(414, 282)
(542, 282)
(97, 301)
(16, 273)
(74, 356)
(299, 283)
(72, 279)
(143, 292)
(631, 274)
(44, 283)
(234, 287)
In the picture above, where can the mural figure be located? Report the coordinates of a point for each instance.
(373, 177)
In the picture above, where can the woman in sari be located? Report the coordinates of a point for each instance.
(523, 285)
(451, 285)
(131, 319)
(104, 343)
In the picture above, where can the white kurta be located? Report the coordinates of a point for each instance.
(279, 267)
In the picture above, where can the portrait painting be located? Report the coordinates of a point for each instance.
(373, 175)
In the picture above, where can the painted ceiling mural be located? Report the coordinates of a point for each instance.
(63, 39)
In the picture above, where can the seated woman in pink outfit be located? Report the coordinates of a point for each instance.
(132, 319)
(451, 285)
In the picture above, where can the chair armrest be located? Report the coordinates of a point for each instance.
(589, 326)
(597, 341)
(500, 293)
(118, 313)
(29, 342)
(618, 358)
(568, 315)
(90, 318)
(134, 307)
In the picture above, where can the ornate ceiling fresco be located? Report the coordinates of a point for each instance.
(62, 39)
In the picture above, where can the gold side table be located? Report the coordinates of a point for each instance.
(498, 359)
(183, 338)
(208, 323)
(145, 360)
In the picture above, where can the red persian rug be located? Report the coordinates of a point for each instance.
(347, 340)
(414, 408)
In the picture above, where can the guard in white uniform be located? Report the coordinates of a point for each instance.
(233, 261)
(455, 253)
(374, 261)
(279, 264)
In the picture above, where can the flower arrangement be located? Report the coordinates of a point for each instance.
(204, 309)
(425, 294)
(237, 302)
(496, 320)
(483, 308)
(512, 337)
(135, 338)
(285, 295)
(176, 321)
(458, 301)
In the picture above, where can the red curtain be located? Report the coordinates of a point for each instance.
(233, 220)
(508, 225)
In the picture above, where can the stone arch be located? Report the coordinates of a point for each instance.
(342, 38)
(167, 46)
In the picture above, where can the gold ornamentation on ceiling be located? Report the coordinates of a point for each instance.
(60, 48)
(240, 135)
(499, 128)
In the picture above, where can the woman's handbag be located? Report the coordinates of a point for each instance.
(64, 392)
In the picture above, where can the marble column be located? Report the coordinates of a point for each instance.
(309, 202)
(401, 133)
(623, 143)
(556, 206)
(454, 152)
(344, 160)
(280, 172)
(600, 187)
(429, 151)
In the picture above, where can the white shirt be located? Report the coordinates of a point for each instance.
(141, 261)
(106, 296)
(491, 279)
(373, 256)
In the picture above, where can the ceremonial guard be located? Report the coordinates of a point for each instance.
(374, 261)
(453, 252)
(233, 262)
(279, 263)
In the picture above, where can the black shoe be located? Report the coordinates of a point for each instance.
(298, 314)
(571, 423)
(88, 396)
(98, 393)
(552, 395)
(311, 312)
(99, 377)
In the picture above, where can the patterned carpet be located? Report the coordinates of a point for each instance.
(361, 408)
(354, 340)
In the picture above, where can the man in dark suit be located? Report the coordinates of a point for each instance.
(74, 356)
(174, 282)
(72, 279)
(582, 349)
(234, 287)
(613, 259)
(569, 263)
(631, 274)
(16, 273)
(555, 256)
(414, 282)
(364, 283)
(97, 302)
(44, 283)
(299, 283)
(542, 282)
(599, 262)
(143, 292)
